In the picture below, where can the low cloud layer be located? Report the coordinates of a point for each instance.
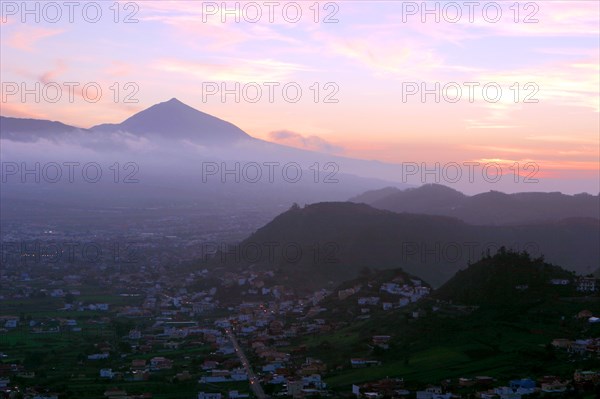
(312, 142)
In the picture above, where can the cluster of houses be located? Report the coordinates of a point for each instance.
(40, 325)
(296, 387)
(258, 323)
(265, 316)
(263, 333)
(391, 295)
(589, 346)
(233, 394)
(218, 375)
(483, 386)
(587, 284)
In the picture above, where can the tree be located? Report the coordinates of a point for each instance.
(124, 347)
(365, 271)
(69, 298)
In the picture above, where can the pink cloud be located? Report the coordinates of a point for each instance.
(385, 54)
(50, 76)
(27, 39)
(119, 69)
(20, 110)
(233, 70)
(310, 142)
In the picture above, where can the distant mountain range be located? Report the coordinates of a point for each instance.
(491, 208)
(336, 240)
(170, 143)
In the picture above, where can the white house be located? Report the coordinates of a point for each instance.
(98, 356)
(209, 395)
(368, 300)
(586, 284)
(106, 373)
(11, 323)
(278, 379)
(432, 395)
(429, 393)
(237, 395)
(135, 334)
(510, 393)
(391, 288)
(239, 375)
(315, 380)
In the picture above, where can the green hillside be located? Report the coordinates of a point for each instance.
(476, 324)
(324, 244)
(505, 280)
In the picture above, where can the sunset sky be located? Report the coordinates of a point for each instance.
(372, 53)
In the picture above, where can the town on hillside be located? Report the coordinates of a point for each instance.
(106, 333)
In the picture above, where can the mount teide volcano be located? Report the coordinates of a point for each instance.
(170, 143)
(177, 120)
(178, 133)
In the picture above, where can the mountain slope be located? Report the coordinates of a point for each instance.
(174, 119)
(505, 332)
(167, 148)
(502, 280)
(30, 130)
(372, 196)
(331, 242)
(174, 136)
